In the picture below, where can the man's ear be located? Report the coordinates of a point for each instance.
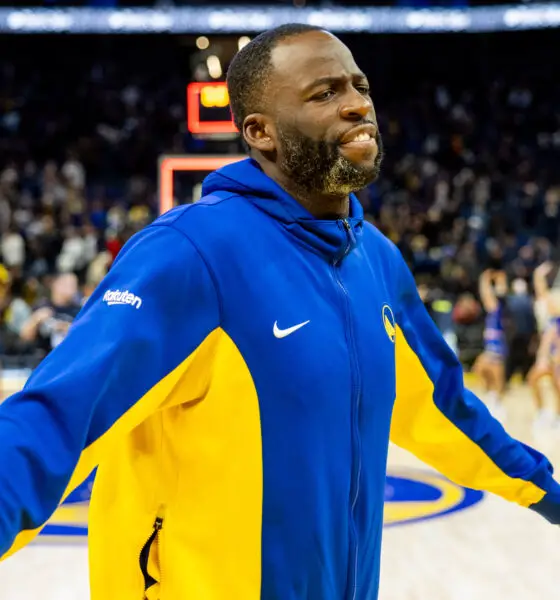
(258, 132)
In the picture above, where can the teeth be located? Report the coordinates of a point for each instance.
(362, 137)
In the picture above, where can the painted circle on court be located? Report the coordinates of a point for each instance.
(413, 495)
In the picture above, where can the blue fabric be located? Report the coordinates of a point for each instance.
(250, 259)
(112, 356)
(461, 406)
(549, 508)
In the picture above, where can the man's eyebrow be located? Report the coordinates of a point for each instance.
(334, 81)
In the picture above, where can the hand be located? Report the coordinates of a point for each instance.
(500, 277)
(545, 268)
(61, 326)
(42, 314)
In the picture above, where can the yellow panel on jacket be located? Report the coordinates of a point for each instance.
(212, 510)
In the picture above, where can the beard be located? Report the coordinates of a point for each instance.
(318, 167)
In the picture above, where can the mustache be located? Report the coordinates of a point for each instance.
(360, 124)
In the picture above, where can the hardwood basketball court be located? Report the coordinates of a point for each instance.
(488, 550)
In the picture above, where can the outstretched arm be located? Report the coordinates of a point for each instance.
(449, 428)
(539, 280)
(140, 332)
(486, 290)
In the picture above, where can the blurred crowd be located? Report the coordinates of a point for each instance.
(57, 243)
(470, 182)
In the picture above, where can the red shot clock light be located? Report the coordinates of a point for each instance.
(208, 111)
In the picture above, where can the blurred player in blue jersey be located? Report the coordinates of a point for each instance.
(490, 365)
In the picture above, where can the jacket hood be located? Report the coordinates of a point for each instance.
(333, 238)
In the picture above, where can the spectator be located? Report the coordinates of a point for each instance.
(49, 323)
(13, 249)
(521, 328)
(74, 255)
(469, 182)
(440, 307)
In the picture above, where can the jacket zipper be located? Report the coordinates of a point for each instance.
(145, 552)
(351, 591)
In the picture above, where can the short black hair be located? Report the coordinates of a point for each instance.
(250, 70)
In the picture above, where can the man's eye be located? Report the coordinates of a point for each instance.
(363, 89)
(324, 95)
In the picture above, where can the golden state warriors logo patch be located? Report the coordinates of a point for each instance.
(411, 495)
(389, 322)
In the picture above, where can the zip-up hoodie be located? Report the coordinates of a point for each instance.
(236, 379)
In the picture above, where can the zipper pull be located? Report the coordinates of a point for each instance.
(350, 241)
(349, 232)
(158, 523)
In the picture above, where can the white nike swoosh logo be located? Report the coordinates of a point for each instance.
(282, 333)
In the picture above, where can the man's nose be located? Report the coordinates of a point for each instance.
(356, 107)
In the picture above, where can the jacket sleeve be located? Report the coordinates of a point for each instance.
(448, 427)
(149, 323)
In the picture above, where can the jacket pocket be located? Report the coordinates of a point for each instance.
(150, 561)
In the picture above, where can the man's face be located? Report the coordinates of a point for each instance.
(64, 289)
(326, 134)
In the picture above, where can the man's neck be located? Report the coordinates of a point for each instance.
(321, 206)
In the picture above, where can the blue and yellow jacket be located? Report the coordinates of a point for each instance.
(233, 378)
